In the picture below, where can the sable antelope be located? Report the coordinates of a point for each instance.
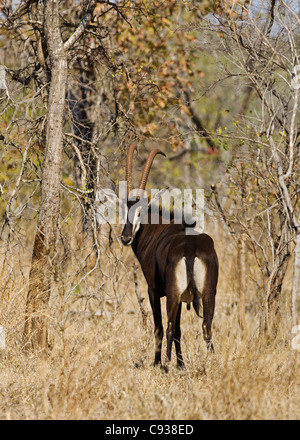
(184, 268)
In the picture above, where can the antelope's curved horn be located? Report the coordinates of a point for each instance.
(129, 162)
(147, 168)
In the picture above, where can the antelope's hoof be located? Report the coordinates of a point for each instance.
(162, 367)
(210, 347)
(181, 366)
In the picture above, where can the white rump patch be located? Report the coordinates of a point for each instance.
(181, 276)
(186, 295)
(199, 274)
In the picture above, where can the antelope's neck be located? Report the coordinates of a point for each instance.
(147, 238)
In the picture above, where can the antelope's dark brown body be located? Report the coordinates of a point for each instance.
(182, 267)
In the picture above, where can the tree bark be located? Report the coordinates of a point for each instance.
(296, 279)
(270, 319)
(44, 255)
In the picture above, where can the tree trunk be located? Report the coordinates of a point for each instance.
(296, 292)
(44, 255)
(296, 279)
(270, 318)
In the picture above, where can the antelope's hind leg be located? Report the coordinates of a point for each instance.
(173, 330)
(208, 300)
(177, 337)
(158, 327)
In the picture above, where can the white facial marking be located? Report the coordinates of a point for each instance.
(124, 213)
(136, 220)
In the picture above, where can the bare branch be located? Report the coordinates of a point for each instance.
(294, 14)
(82, 25)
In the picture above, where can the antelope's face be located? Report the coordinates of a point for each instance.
(133, 222)
(137, 208)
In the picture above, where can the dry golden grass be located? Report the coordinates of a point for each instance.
(100, 364)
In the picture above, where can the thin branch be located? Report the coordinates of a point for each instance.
(292, 137)
(272, 14)
(281, 180)
(82, 25)
(138, 295)
(196, 120)
(294, 14)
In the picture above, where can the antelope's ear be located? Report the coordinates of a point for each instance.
(157, 195)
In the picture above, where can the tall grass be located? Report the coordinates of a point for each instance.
(99, 365)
